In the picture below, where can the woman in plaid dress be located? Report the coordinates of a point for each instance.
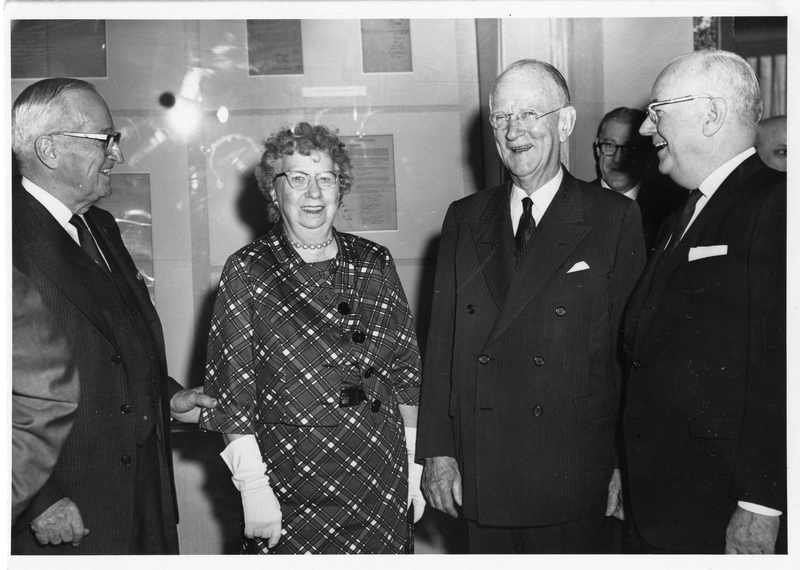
(313, 357)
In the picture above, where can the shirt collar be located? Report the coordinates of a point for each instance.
(542, 196)
(631, 193)
(56, 207)
(716, 178)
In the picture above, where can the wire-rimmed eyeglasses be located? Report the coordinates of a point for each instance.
(651, 108)
(525, 118)
(299, 180)
(608, 148)
(109, 138)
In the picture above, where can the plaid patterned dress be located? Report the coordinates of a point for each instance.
(286, 338)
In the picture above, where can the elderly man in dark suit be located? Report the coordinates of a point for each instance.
(620, 151)
(705, 414)
(112, 489)
(521, 381)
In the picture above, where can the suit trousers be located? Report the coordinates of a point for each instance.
(587, 536)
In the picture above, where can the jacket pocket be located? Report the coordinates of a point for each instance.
(596, 406)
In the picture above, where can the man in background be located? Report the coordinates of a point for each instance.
(771, 142)
(112, 488)
(705, 330)
(620, 154)
(521, 383)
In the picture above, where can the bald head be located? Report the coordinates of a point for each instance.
(705, 107)
(771, 142)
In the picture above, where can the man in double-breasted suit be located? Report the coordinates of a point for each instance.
(112, 489)
(705, 411)
(521, 379)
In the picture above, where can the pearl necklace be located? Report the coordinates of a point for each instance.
(322, 245)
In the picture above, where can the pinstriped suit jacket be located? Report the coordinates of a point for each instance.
(89, 470)
(521, 376)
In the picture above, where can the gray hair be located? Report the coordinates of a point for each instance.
(737, 80)
(624, 115)
(41, 109)
(558, 84)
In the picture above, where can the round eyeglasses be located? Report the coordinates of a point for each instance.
(109, 138)
(299, 180)
(608, 148)
(526, 118)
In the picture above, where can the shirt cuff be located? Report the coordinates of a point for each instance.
(759, 509)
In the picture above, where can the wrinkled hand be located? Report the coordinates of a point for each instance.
(262, 514)
(751, 533)
(414, 490)
(61, 522)
(441, 481)
(614, 505)
(185, 405)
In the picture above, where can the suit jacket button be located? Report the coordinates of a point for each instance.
(116, 359)
(359, 337)
(376, 405)
(470, 309)
(152, 403)
(483, 359)
(637, 363)
(538, 361)
(561, 311)
(369, 372)
(537, 411)
(125, 409)
(343, 308)
(126, 460)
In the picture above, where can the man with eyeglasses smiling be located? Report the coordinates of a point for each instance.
(112, 489)
(520, 387)
(620, 154)
(705, 331)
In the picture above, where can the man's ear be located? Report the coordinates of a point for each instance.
(46, 151)
(715, 117)
(566, 122)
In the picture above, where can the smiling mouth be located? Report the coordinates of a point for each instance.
(106, 172)
(660, 145)
(521, 148)
(312, 209)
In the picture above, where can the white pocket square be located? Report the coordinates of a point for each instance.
(580, 266)
(696, 253)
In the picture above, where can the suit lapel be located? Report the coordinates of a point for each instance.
(50, 248)
(559, 232)
(708, 220)
(493, 242)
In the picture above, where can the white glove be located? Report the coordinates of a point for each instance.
(262, 512)
(414, 475)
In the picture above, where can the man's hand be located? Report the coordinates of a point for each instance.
(61, 522)
(185, 405)
(614, 505)
(751, 533)
(441, 481)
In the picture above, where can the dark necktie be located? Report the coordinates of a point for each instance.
(684, 217)
(524, 229)
(87, 242)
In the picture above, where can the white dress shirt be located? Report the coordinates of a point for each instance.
(541, 199)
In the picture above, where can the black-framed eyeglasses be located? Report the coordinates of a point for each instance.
(608, 148)
(109, 138)
(299, 180)
(651, 108)
(526, 118)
